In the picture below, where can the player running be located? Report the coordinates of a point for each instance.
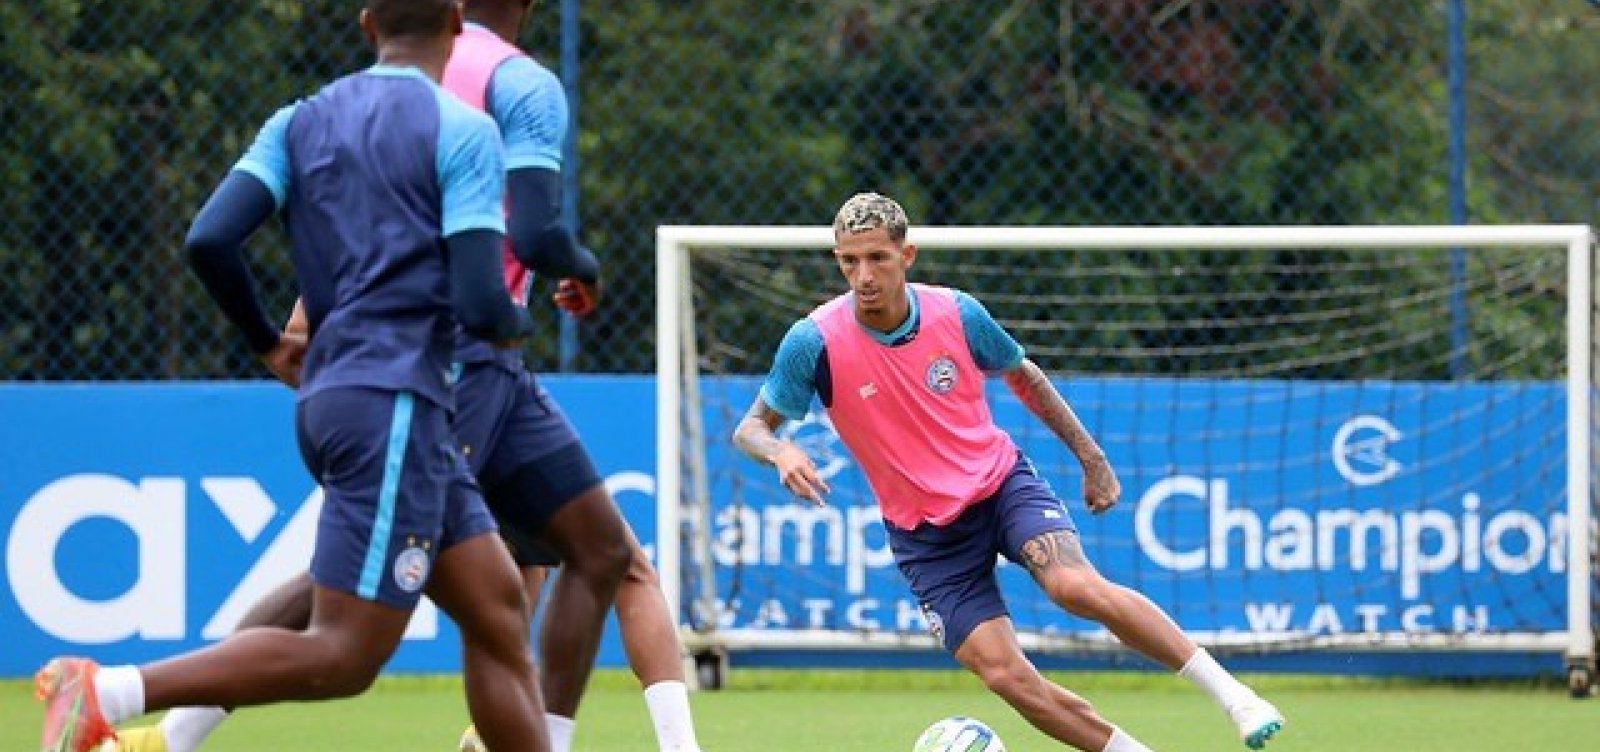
(551, 504)
(392, 192)
(900, 368)
(537, 477)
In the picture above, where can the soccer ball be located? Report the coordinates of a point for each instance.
(959, 734)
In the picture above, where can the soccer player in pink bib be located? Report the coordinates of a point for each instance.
(900, 369)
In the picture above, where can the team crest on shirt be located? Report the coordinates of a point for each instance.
(935, 624)
(942, 375)
(411, 568)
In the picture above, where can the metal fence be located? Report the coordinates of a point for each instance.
(118, 116)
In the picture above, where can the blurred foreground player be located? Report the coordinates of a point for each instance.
(538, 479)
(392, 191)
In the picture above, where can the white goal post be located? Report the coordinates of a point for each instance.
(683, 493)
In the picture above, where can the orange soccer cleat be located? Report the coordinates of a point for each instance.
(72, 718)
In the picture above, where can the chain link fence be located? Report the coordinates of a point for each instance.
(118, 117)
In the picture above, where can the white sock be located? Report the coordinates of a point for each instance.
(185, 728)
(560, 728)
(1121, 742)
(669, 710)
(120, 690)
(1207, 674)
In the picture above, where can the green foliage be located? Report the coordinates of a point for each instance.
(119, 116)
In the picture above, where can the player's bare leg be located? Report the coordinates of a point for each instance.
(184, 729)
(1058, 564)
(590, 536)
(650, 639)
(348, 641)
(648, 635)
(993, 654)
(533, 579)
(288, 606)
(476, 583)
(339, 655)
(651, 644)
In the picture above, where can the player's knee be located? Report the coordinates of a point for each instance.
(1083, 593)
(1009, 677)
(507, 610)
(500, 625)
(344, 672)
(640, 570)
(353, 680)
(611, 565)
(606, 561)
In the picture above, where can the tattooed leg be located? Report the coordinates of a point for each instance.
(1058, 564)
(1057, 548)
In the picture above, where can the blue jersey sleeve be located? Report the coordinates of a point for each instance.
(472, 172)
(268, 158)
(993, 348)
(792, 382)
(527, 102)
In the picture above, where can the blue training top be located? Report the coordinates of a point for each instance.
(527, 103)
(526, 100)
(373, 172)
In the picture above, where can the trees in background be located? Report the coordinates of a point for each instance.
(118, 116)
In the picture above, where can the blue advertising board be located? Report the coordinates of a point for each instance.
(140, 520)
(1255, 512)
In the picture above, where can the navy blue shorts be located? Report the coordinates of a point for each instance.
(395, 491)
(951, 568)
(524, 451)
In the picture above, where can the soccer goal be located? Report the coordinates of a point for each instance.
(1329, 438)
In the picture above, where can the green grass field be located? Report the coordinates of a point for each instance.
(884, 712)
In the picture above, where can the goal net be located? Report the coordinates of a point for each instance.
(1364, 438)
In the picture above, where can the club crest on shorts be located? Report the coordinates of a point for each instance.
(411, 568)
(935, 624)
(942, 374)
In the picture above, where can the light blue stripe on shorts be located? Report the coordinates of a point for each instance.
(393, 463)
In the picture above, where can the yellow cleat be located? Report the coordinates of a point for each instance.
(138, 739)
(470, 741)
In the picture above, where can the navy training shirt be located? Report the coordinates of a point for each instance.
(373, 173)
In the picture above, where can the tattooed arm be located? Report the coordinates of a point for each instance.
(1100, 486)
(755, 437)
(788, 391)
